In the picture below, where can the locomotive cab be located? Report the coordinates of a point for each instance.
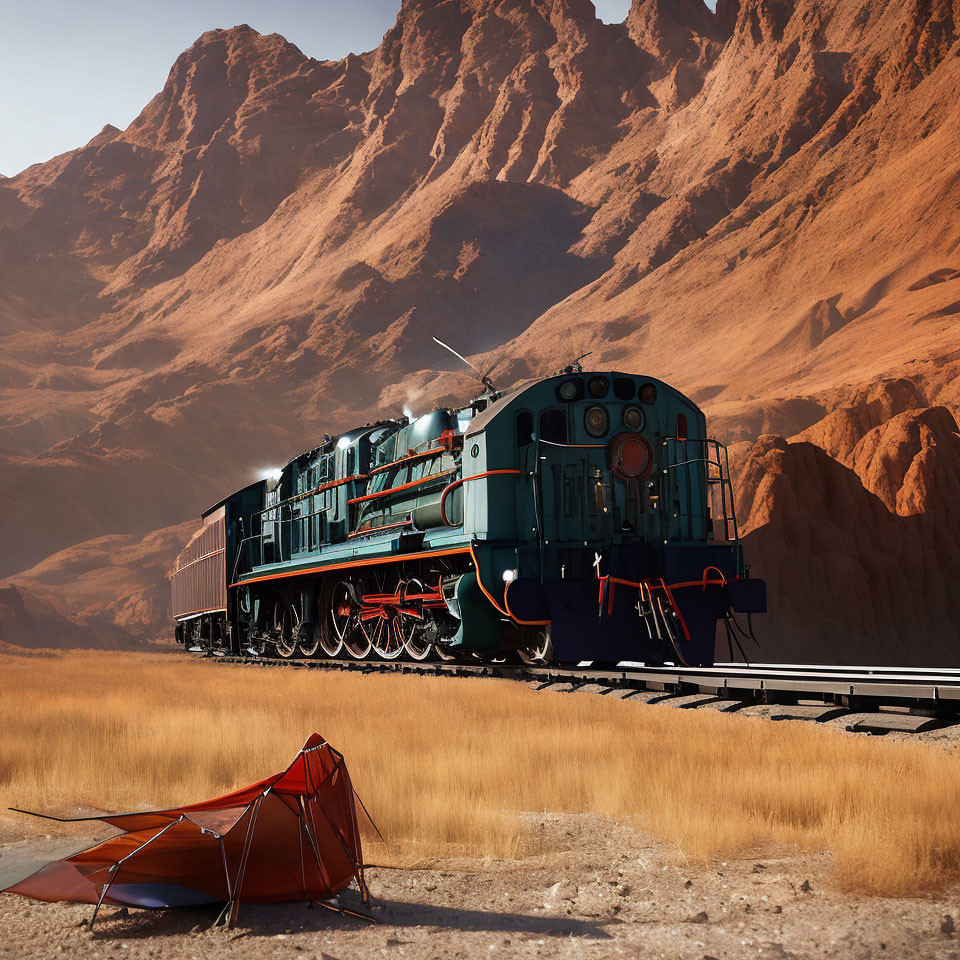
(604, 484)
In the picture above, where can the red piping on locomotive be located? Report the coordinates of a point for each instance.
(456, 483)
(403, 486)
(513, 616)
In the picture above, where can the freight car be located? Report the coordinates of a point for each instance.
(585, 516)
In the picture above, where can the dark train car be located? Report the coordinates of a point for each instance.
(581, 517)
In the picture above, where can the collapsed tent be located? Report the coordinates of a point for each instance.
(293, 836)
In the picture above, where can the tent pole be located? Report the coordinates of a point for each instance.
(313, 841)
(103, 893)
(115, 869)
(303, 876)
(235, 905)
(226, 873)
(358, 867)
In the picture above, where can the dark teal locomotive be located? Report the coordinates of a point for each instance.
(582, 517)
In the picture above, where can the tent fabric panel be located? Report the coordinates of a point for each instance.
(57, 881)
(157, 895)
(185, 855)
(220, 822)
(273, 871)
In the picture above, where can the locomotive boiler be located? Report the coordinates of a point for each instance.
(585, 516)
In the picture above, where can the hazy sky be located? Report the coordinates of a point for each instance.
(67, 67)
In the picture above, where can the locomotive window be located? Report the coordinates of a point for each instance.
(524, 428)
(553, 426)
(351, 461)
(424, 468)
(623, 388)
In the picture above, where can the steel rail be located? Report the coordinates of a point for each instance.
(867, 689)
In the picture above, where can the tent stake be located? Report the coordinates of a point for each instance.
(342, 910)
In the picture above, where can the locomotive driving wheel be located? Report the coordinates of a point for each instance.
(344, 617)
(382, 619)
(387, 633)
(309, 641)
(286, 627)
(419, 644)
(328, 639)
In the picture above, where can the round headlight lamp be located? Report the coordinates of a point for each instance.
(596, 421)
(633, 418)
(648, 393)
(598, 386)
(569, 390)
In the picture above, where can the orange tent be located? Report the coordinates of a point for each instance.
(292, 836)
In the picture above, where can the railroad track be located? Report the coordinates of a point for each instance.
(905, 699)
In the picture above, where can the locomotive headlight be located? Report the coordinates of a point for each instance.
(598, 387)
(509, 575)
(596, 421)
(633, 418)
(275, 474)
(569, 390)
(648, 393)
(343, 443)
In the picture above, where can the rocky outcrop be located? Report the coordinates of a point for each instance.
(111, 591)
(32, 622)
(862, 561)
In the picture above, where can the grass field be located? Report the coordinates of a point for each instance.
(445, 765)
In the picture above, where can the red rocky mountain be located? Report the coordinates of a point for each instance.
(759, 205)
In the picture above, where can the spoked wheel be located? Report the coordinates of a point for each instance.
(387, 633)
(286, 625)
(418, 645)
(380, 619)
(539, 652)
(327, 637)
(309, 644)
(345, 623)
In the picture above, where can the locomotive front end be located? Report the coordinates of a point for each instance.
(602, 517)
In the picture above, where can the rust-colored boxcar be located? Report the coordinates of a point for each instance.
(199, 573)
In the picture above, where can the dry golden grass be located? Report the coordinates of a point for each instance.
(446, 765)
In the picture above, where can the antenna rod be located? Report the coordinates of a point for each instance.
(460, 356)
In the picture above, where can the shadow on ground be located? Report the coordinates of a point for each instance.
(267, 920)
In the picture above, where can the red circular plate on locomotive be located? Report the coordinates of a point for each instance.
(631, 455)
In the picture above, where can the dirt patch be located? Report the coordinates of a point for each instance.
(605, 890)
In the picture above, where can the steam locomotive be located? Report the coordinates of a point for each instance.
(586, 516)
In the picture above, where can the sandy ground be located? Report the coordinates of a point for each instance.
(607, 891)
